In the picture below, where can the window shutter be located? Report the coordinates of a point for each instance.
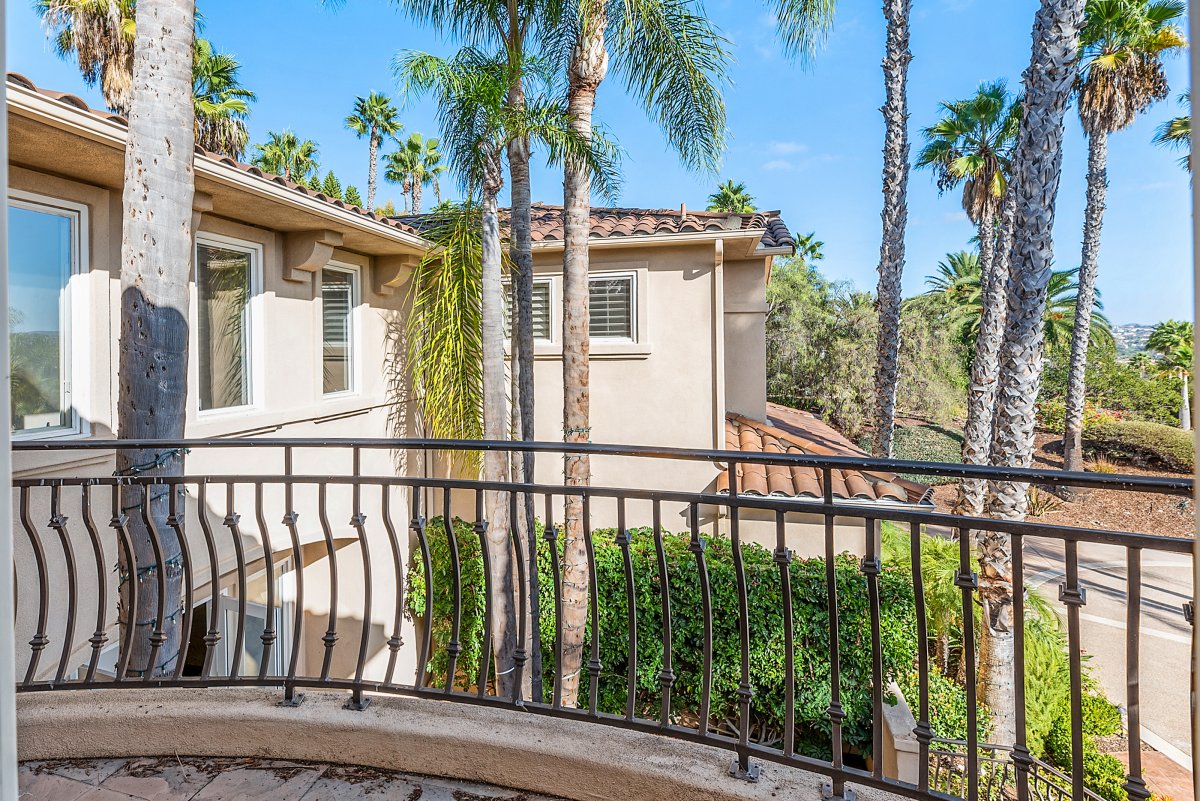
(611, 302)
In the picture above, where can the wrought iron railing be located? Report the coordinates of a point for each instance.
(219, 589)
(997, 773)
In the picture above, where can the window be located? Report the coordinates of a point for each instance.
(541, 310)
(43, 252)
(339, 297)
(225, 279)
(611, 304)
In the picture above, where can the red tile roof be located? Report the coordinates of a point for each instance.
(611, 223)
(794, 431)
(74, 101)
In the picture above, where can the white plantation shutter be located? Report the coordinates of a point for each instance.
(611, 302)
(541, 310)
(338, 298)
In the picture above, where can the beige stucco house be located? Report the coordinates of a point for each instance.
(297, 301)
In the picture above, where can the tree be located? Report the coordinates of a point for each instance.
(1121, 75)
(477, 125)
(1174, 342)
(285, 154)
(1176, 133)
(672, 61)
(895, 221)
(100, 35)
(810, 249)
(415, 165)
(331, 187)
(374, 117)
(732, 198)
(152, 372)
(1037, 171)
(222, 104)
(352, 197)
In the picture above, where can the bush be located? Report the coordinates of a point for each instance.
(1052, 415)
(925, 443)
(1103, 774)
(947, 705)
(810, 618)
(1143, 444)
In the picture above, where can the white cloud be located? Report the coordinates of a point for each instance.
(779, 165)
(787, 148)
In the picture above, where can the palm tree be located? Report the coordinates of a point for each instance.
(159, 189)
(1037, 170)
(1174, 342)
(478, 125)
(1176, 133)
(1121, 75)
(673, 61)
(285, 154)
(809, 249)
(732, 198)
(1143, 362)
(374, 117)
(415, 165)
(895, 221)
(100, 35)
(222, 104)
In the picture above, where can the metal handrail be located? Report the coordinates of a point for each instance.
(179, 538)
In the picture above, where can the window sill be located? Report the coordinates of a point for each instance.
(600, 351)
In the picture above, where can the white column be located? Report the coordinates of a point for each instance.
(8, 658)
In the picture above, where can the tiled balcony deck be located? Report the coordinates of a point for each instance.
(196, 779)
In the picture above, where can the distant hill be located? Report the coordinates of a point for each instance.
(1131, 338)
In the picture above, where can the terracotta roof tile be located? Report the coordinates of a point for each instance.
(16, 79)
(608, 223)
(794, 431)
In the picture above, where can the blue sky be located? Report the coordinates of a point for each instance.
(805, 140)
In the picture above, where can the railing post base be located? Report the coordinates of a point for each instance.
(748, 773)
(357, 702)
(291, 699)
(828, 795)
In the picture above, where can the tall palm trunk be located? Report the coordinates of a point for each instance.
(495, 427)
(985, 369)
(416, 196)
(586, 71)
(373, 169)
(521, 251)
(156, 259)
(1037, 172)
(895, 220)
(1089, 266)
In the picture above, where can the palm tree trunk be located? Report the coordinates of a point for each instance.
(895, 220)
(495, 427)
(977, 433)
(1089, 266)
(587, 68)
(1185, 408)
(373, 169)
(1037, 173)
(416, 197)
(152, 372)
(521, 252)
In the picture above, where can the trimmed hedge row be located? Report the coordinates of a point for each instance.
(767, 642)
(1146, 444)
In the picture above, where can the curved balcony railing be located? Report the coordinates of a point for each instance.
(351, 565)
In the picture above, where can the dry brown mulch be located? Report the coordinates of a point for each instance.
(1136, 512)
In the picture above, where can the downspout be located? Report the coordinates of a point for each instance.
(8, 634)
(718, 355)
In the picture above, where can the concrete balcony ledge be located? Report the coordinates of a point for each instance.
(534, 753)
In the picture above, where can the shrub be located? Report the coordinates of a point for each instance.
(1103, 774)
(947, 705)
(1101, 718)
(767, 645)
(1146, 444)
(925, 443)
(1052, 415)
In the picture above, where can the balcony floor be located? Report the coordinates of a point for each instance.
(203, 779)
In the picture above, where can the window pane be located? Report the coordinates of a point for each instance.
(611, 303)
(224, 286)
(40, 260)
(337, 305)
(541, 310)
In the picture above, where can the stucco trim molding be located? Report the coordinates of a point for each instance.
(572, 759)
(389, 273)
(305, 252)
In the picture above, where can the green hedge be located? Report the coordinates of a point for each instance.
(1103, 774)
(767, 646)
(1147, 444)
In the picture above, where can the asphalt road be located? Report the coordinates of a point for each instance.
(1165, 634)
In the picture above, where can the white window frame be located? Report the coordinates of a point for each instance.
(632, 277)
(254, 336)
(354, 340)
(75, 315)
